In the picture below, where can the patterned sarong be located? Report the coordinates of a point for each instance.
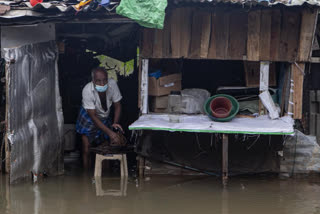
(85, 126)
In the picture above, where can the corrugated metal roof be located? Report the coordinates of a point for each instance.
(54, 9)
(57, 8)
(255, 2)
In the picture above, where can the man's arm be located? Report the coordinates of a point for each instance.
(101, 126)
(117, 115)
(117, 112)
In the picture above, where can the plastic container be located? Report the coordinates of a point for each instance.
(220, 107)
(35, 2)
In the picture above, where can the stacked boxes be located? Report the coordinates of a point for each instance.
(160, 88)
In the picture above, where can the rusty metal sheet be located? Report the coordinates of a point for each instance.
(34, 113)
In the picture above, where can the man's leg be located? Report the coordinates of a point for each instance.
(85, 152)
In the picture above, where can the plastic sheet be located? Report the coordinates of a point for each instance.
(201, 123)
(35, 115)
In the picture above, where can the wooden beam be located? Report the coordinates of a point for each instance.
(144, 86)
(309, 19)
(253, 43)
(297, 77)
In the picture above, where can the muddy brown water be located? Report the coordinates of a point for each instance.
(77, 193)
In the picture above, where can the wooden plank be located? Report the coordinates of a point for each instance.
(147, 43)
(175, 33)
(219, 39)
(308, 24)
(200, 36)
(297, 77)
(158, 43)
(238, 35)
(265, 34)
(253, 43)
(285, 92)
(294, 31)
(166, 37)
(186, 20)
(275, 34)
(289, 35)
(212, 53)
(205, 34)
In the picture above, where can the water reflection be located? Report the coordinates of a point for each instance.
(80, 193)
(111, 192)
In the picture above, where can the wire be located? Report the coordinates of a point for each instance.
(253, 142)
(202, 151)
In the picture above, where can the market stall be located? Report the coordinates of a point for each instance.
(269, 43)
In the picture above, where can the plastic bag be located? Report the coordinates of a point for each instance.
(148, 13)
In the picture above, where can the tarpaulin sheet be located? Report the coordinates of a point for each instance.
(201, 123)
(35, 116)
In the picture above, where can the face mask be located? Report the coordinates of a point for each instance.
(101, 88)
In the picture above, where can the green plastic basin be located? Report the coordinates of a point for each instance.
(233, 113)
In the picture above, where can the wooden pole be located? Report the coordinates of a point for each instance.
(141, 165)
(225, 158)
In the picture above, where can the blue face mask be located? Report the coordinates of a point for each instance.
(101, 88)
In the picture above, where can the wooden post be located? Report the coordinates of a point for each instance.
(225, 144)
(144, 86)
(141, 165)
(309, 20)
(264, 81)
(297, 71)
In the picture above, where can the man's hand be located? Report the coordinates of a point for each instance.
(117, 126)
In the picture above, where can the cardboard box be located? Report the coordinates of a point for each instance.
(164, 85)
(159, 104)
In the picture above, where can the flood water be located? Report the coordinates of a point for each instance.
(77, 193)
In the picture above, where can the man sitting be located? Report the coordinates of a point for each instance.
(93, 122)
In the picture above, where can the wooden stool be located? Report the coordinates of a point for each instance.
(121, 157)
